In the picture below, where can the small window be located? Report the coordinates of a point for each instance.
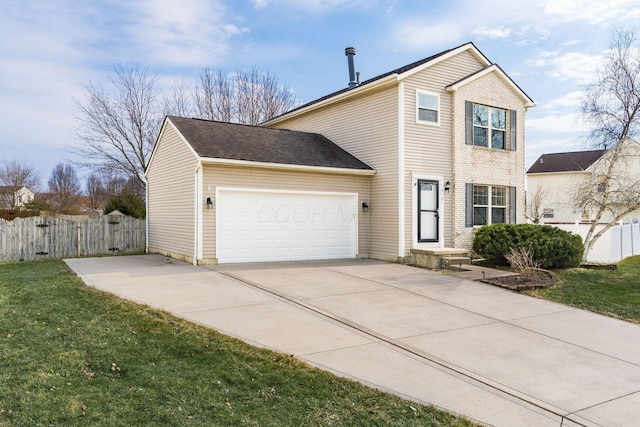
(489, 205)
(547, 213)
(428, 108)
(489, 127)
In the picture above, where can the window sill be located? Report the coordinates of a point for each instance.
(424, 122)
(494, 150)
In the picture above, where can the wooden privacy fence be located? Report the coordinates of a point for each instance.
(35, 238)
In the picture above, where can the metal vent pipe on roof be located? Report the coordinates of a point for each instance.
(351, 52)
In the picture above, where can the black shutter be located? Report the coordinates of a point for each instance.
(468, 204)
(512, 205)
(468, 122)
(513, 134)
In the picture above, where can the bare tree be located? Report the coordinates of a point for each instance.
(95, 191)
(178, 101)
(611, 106)
(249, 96)
(13, 176)
(535, 205)
(214, 96)
(64, 189)
(118, 127)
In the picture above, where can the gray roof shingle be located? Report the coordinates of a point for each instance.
(220, 140)
(565, 162)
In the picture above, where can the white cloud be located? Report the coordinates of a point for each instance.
(317, 6)
(569, 100)
(556, 122)
(415, 35)
(181, 33)
(590, 11)
(499, 32)
(575, 66)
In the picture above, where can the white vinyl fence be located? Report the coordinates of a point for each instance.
(620, 242)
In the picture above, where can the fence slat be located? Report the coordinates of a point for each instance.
(37, 237)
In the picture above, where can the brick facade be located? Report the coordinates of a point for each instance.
(481, 165)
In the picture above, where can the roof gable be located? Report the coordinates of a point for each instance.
(575, 161)
(393, 75)
(494, 68)
(230, 141)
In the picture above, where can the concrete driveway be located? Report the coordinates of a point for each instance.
(495, 356)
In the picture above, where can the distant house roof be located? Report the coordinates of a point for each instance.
(220, 140)
(565, 162)
(413, 67)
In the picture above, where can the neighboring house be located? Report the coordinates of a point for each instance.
(416, 158)
(10, 197)
(554, 179)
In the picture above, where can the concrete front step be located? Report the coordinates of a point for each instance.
(449, 262)
(434, 259)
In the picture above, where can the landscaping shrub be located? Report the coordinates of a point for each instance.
(551, 246)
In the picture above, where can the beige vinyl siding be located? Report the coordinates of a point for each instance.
(171, 182)
(367, 127)
(272, 179)
(429, 148)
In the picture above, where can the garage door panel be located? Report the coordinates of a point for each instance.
(271, 226)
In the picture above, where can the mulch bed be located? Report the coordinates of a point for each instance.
(537, 279)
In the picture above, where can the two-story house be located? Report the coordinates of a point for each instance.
(413, 159)
(569, 187)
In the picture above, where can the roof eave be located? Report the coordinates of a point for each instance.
(465, 47)
(557, 172)
(287, 167)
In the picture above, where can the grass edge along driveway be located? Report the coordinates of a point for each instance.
(614, 293)
(73, 355)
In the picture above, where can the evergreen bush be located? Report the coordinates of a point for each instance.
(551, 246)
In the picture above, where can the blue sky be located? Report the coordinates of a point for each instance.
(50, 48)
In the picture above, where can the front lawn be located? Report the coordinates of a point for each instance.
(72, 355)
(614, 293)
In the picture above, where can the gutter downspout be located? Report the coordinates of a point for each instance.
(146, 210)
(197, 219)
(401, 171)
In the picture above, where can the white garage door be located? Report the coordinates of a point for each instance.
(256, 225)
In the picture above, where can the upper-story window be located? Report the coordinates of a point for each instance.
(489, 126)
(428, 107)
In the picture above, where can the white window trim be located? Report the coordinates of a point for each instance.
(490, 204)
(425, 122)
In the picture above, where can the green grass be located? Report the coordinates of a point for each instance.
(72, 355)
(613, 293)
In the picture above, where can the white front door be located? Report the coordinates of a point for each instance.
(255, 225)
(428, 210)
